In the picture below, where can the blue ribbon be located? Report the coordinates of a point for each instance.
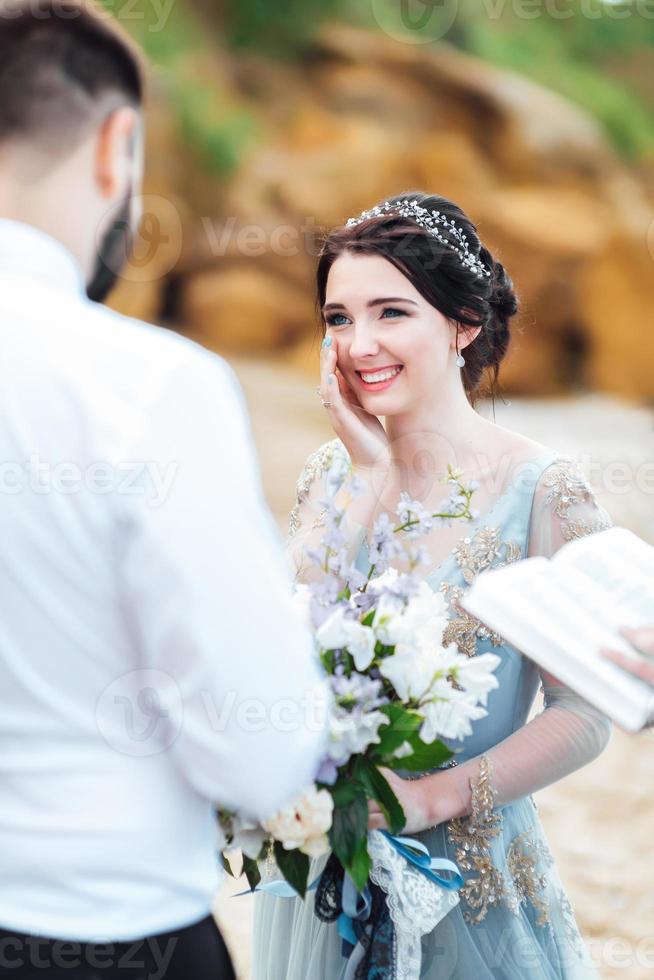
(356, 905)
(280, 889)
(425, 863)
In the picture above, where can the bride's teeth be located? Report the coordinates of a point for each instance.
(383, 376)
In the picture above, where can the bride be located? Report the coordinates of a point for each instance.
(416, 314)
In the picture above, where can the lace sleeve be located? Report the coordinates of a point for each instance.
(564, 508)
(569, 732)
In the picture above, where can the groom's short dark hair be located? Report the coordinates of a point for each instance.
(58, 60)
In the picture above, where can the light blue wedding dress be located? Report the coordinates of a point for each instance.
(513, 920)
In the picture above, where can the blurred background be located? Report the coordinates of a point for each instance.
(269, 123)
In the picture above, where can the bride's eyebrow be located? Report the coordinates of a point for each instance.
(370, 303)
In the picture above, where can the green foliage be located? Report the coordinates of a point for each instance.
(569, 57)
(276, 29)
(378, 788)
(251, 871)
(294, 865)
(175, 41)
(570, 46)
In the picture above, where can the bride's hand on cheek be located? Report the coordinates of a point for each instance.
(361, 433)
(414, 796)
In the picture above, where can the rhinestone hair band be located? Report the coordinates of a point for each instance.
(430, 221)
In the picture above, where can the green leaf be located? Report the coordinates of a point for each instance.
(403, 724)
(380, 790)
(349, 828)
(226, 865)
(294, 865)
(424, 756)
(344, 791)
(359, 867)
(251, 871)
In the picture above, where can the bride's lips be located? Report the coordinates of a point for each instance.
(379, 385)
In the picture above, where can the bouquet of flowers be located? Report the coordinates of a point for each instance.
(399, 696)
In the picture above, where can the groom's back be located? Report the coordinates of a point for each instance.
(126, 491)
(74, 384)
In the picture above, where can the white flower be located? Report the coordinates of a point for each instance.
(351, 732)
(416, 666)
(338, 631)
(301, 600)
(450, 716)
(387, 622)
(476, 676)
(385, 581)
(395, 623)
(403, 750)
(304, 823)
(248, 836)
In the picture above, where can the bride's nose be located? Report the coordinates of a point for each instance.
(365, 343)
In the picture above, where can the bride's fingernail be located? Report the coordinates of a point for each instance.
(331, 378)
(327, 342)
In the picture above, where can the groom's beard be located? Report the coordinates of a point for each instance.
(112, 254)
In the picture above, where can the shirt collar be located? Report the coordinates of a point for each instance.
(30, 252)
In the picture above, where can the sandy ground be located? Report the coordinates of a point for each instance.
(599, 821)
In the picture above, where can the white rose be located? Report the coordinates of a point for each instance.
(304, 823)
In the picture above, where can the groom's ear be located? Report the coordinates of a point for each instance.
(118, 153)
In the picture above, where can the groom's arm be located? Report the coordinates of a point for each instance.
(209, 593)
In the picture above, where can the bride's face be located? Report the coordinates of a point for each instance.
(381, 324)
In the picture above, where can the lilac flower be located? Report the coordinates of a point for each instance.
(357, 690)
(384, 544)
(327, 772)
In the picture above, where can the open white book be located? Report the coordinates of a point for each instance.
(561, 611)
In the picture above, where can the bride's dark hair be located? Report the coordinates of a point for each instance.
(439, 275)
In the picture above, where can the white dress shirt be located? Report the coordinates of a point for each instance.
(150, 659)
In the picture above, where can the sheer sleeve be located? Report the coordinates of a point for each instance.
(321, 478)
(569, 732)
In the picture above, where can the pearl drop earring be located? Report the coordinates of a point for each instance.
(460, 360)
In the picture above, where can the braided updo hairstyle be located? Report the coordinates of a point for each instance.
(440, 277)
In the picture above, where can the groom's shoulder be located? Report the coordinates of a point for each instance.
(148, 351)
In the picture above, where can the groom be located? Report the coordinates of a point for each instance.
(151, 666)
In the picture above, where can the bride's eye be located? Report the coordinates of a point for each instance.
(393, 310)
(333, 319)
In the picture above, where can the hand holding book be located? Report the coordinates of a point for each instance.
(570, 615)
(642, 639)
